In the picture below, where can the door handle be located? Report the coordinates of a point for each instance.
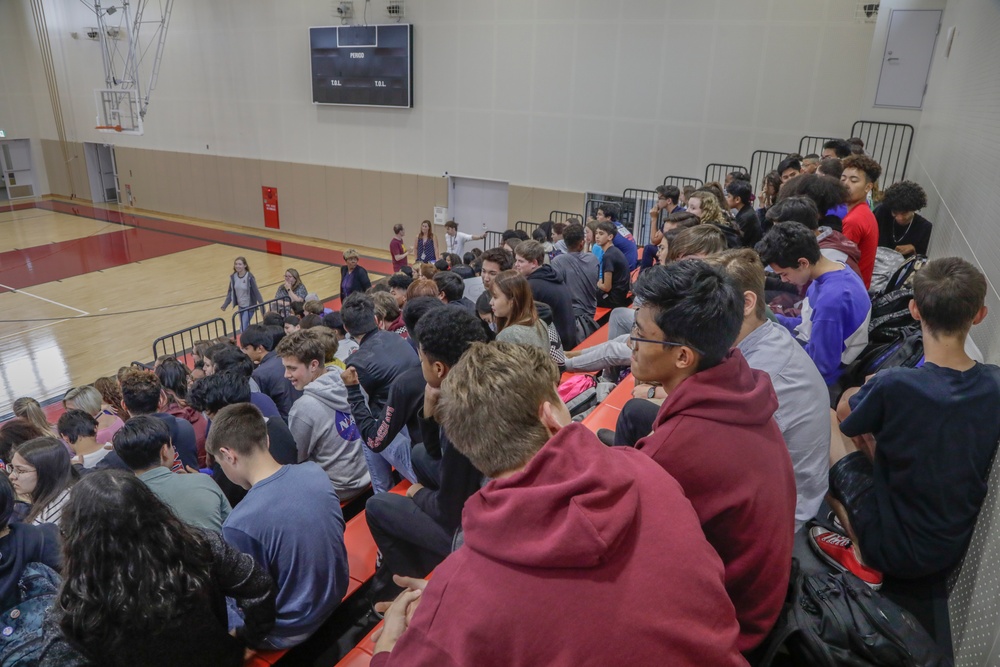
(891, 59)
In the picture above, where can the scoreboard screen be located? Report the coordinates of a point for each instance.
(363, 65)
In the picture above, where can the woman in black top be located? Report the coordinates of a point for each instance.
(142, 588)
(20, 544)
(353, 276)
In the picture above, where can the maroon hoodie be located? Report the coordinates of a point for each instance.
(589, 556)
(716, 435)
(830, 239)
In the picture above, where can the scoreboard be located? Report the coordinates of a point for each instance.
(363, 65)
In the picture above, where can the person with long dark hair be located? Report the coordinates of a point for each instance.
(21, 544)
(243, 291)
(173, 377)
(42, 474)
(514, 308)
(142, 588)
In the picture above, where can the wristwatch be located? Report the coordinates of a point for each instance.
(651, 393)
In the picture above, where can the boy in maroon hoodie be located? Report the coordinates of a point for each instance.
(570, 540)
(715, 433)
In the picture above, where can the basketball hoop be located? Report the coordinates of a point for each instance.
(108, 128)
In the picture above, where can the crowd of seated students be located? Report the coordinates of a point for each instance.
(726, 451)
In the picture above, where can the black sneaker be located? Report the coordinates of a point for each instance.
(607, 436)
(382, 589)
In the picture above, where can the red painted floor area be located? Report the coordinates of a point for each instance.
(247, 241)
(55, 261)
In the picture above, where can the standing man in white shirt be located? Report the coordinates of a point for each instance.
(455, 240)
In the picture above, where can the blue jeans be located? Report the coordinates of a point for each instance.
(245, 319)
(396, 455)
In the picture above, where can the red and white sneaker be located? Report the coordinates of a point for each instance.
(837, 550)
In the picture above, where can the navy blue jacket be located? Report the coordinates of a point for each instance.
(270, 377)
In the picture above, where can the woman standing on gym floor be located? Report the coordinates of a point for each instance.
(243, 291)
(425, 243)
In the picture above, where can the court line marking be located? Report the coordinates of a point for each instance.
(42, 298)
(41, 326)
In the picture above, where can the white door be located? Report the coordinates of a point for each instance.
(906, 62)
(15, 161)
(477, 205)
(101, 172)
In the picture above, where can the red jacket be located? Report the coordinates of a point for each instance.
(716, 435)
(861, 227)
(589, 556)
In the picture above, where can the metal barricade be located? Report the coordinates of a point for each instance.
(563, 216)
(255, 314)
(810, 144)
(526, 226)
(590, 208)
(763, 163)
(635, 213)
(492, 240)
(681, 181)
(888, 144)
(716, 171)
(179, 342)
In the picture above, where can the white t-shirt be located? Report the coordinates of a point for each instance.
(456, 244)
(92, 459)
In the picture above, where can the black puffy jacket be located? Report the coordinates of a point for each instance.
(548, 287)
(381, 357)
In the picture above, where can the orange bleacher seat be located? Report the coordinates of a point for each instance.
(355, 658)
(361, 549)
(606, 414)
(360, 655)
(264, 658)
(596, 338)
(601, 313)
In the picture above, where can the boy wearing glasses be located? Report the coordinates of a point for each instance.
(716, 434)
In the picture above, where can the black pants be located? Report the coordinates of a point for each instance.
(635, 421)
(427, 469)
(411, 542)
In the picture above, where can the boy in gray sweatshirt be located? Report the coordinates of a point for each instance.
(320, 420)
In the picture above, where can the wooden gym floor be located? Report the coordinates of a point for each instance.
(86, 289)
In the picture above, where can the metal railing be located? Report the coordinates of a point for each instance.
(526, 226)
(681, 181)
(256, 313)
(716, 171)
(763, 163)
(492, 240)
(635, 210)
(590, 208)
(888, 144)
(179, 342)
(562, 216)
(809, 144)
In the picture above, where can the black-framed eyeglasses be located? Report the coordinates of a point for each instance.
(633, 339)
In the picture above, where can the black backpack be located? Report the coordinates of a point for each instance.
(905, 350)
(891, 305)
(835, 619)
